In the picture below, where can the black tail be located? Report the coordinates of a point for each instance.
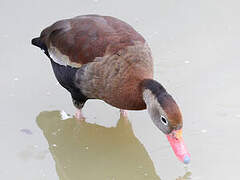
(37, 42)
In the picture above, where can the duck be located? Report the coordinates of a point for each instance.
(103, 57)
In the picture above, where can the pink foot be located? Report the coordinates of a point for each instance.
(79, 115)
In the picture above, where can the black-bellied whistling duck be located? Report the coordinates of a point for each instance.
(101, 57)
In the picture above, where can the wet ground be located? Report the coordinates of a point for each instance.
(195, 46)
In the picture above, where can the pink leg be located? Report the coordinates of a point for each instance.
(79, 115)
(123, 113)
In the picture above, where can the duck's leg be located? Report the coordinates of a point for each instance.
(79, 115)
(123, 113)
(79, 105)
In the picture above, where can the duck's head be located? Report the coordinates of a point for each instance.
(166, 115)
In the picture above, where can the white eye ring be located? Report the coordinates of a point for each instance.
(164, 120)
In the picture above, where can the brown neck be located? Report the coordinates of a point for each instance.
(155, 87)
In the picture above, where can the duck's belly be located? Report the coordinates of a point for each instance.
(122, 89)
(128, 104)
(125, 96)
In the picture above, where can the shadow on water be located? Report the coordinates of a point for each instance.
(90, 151)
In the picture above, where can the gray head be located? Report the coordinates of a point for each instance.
(161, 107)
(166, 115)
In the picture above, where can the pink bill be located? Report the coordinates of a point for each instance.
(176, 141)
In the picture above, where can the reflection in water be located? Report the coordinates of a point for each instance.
(89, 151)
(187, 176)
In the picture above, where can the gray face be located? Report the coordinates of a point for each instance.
(156, 112)
(160, 119)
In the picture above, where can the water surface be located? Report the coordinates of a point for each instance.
(195, 45)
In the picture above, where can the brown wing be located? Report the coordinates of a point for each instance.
(81, 39)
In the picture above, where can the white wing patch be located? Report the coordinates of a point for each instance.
(60, 58)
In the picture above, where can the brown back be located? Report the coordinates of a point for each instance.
(84, 38)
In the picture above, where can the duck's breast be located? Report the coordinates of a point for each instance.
(117, 78)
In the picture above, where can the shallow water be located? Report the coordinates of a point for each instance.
(195, 46)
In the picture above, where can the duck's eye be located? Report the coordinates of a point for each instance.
(164, 120)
